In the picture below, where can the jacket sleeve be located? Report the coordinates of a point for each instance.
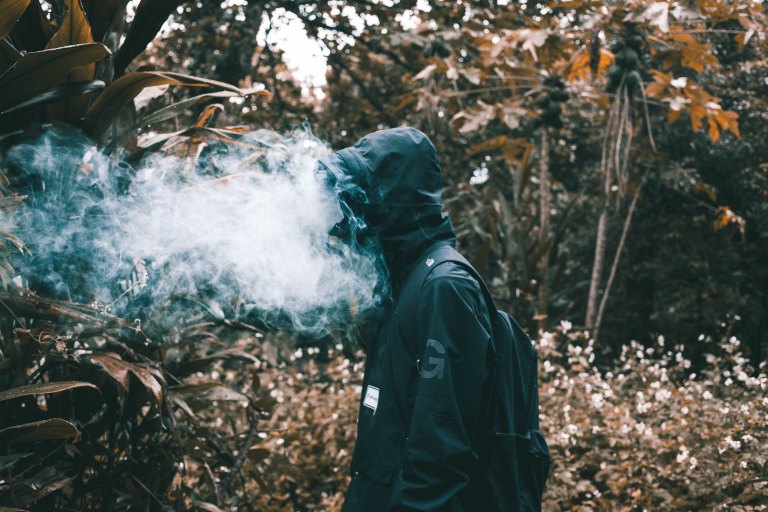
(441, 448)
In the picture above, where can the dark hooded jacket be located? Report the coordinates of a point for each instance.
(420, 426)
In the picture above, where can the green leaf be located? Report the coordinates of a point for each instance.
(32, 30)
(62, 92)
(119, 371)
(180, 107)
(102, 15)
(8, 56)
(74, 30)
(10, 12)
(7, 461)
(210, 391)
(257, 454)
(114, 367)
(36, 72)
(43, 389)
(56, 428)
(202, 364)
(121, 92)
(204, 505)
(149, 19)
(169, 140)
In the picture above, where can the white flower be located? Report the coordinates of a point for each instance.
(679, 83)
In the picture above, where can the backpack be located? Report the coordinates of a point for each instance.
(515, 463)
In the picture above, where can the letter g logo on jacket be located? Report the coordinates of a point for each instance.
(435, 367)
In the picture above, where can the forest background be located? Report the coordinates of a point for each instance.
(605, 167)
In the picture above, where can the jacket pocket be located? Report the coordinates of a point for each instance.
(517, 470)
(379, 475)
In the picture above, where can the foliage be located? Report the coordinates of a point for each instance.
(493, 74)
(646, 433)
(54, 70)
(97, 415)
(486, 69)
(655, 104)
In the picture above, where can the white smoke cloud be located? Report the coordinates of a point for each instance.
(246, 233)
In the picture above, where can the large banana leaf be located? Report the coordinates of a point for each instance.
(32, 30)
(7, 461)
(36, 72)
(121, 92)
(149, 19)
(44, 388)
(10, 12)
(115, 367)
(54, 95)
(169, 140)
(74, 30)
(8, 56)
(178, 108)
(102, 15)
(55, 428)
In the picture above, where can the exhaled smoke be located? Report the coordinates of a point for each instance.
(242, 231)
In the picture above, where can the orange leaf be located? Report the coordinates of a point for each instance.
(697, 112)
(726, 216)
(690, 52)
(12, 11)
(579, 67)
(714, 131)
(487, 146)
(733, 122)
(673, 115)
(208, 114)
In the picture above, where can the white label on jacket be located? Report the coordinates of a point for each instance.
(371, 399)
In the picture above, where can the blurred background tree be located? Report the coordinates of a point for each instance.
(605, 167)
(604, 162)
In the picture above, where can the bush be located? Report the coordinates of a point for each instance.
(650, 434)
(645, 434)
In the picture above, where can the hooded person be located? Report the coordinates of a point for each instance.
(420, 426)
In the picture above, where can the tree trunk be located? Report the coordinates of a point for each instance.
(544, 208)
(597, 266)
(615, 264)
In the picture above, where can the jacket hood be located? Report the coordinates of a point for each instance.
(398, 171)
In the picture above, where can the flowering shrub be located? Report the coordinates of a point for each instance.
(650, 434)
(647, 434)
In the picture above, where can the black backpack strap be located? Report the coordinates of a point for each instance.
(429, 260)
(408, 304)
